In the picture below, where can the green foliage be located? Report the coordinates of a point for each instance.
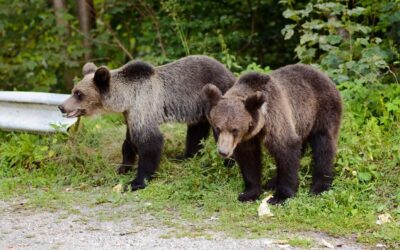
(34, 52)
(348, 40)
(38, 54)
(37, 161)
(27, 151)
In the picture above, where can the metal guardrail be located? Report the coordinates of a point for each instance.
(33, 111)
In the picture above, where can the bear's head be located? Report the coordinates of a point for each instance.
(234, 118)
(86, 95)
(102, 90)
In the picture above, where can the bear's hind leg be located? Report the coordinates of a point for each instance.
(195, 133)
(271, 184)
(323, 149)
(129, 152)
(288, 163)
(149, 151)
(248, 156)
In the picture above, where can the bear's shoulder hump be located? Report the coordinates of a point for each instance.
(254, 79)
(137, 70)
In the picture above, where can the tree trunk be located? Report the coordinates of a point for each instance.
(86, 16)
(62, 25)
(59, 8)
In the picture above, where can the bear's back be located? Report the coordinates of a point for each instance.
(306, 77)
(310, 94)
(196, 71)
(182, 82)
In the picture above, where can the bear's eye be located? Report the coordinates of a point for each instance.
(78, 94)
(235, 132)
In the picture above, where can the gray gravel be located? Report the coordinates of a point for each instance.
(24, 228)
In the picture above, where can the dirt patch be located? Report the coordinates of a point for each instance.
(102, 227)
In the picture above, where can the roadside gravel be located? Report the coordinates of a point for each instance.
(26, 228)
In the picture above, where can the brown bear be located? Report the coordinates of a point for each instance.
(149, 96)
(291, 107)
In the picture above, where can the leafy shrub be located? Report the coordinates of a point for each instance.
(39, 55)
(349, 41)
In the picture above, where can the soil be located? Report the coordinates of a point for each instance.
(103, 227)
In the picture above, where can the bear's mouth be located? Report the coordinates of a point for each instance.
(75, 113)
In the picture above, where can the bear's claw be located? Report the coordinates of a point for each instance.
(276, 200)
(251, 195)
(136, 185)
(123, 169)
(320, 187)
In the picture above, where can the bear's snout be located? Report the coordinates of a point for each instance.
(62, 109)
(223, 152)
(226, 144)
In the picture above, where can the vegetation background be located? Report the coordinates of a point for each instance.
(45, 43)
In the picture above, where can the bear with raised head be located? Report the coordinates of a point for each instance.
(149, 96)
(285, 111)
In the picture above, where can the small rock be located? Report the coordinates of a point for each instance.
(213, 218)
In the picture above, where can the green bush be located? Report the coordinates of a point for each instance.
(348, 40)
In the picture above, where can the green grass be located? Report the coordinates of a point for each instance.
(60, 171)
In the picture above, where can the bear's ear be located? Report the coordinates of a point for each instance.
(211, 94)
(102, 79)
(266, 78)
(89, 68)
(255, 101)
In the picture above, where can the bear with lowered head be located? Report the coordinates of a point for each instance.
(149, 96)
(285, 111)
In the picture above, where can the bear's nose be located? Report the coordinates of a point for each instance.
(223, 153)
(61, 108)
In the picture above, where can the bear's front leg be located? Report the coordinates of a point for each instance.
(248, 156)
(195, 134)
(149, 147)
(288, 163)
(129, 152)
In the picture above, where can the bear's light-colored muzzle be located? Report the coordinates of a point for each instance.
(226, 144)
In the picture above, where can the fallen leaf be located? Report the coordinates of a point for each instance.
(263, 209)
(118, 188)
(327, 244)
(280, 242)
(383, 218)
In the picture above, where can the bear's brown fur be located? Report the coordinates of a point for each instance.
(149, 96)
(285, 110)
